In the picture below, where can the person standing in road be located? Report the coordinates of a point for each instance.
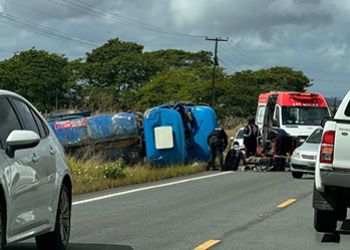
(251, 132)
(217, 142)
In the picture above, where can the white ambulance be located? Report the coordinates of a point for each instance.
(298, 113)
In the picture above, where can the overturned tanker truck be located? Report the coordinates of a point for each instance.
(111, 136)
(177, 133)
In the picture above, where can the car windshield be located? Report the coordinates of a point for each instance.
(315, 137)
(303, 115)
(240, 134)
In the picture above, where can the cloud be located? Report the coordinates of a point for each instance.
(246, 16)
(311, 36)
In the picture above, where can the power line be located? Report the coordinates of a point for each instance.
(227, 65)
(138, 22)
(243, 57)
(89, 9)
(246, 54)
(42, 30)
(33, 10)
(84, 11)
(236, 55)
(249, 54)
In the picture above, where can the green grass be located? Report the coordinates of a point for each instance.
(94, 175)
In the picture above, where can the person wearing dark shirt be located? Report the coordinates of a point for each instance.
(233, 158)
(251, 132)
(280, 139)
(217, 142)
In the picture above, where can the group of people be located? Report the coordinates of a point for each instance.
(218, 141)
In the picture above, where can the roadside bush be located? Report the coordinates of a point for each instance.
(82, 172)
(113, 170)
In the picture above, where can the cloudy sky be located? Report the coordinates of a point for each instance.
(308, 35)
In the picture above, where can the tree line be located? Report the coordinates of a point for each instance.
(120, 75)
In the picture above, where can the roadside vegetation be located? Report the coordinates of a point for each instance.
(120, 75)
(94, 175)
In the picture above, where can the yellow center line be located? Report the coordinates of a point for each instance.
(286, 203)
(206, 245)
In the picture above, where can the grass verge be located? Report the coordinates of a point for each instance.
(94, 175)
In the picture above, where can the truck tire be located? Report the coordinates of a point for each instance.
(325, 221)
(341, 212)
(297, 175)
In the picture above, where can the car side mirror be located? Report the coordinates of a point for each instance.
(275, 123)
(21, 139)
(324, 120)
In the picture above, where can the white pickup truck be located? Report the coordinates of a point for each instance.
(331, 196)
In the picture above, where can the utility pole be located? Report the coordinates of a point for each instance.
(216, 63)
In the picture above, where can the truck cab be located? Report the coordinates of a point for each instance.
(298, 113)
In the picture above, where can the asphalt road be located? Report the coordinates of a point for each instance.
(238, 210)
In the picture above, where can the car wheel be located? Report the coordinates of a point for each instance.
(2, 228)
(58, 239)
(297, 175)
(325, 221)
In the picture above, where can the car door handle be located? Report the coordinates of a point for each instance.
(52, 150)
(35, 158)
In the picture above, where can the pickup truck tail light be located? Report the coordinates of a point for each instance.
(327, 147)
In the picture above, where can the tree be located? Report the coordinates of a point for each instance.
(178, 84)
(282, 79)
(112, 69)
(119, 75)
(113, 49)
(172, 58)
(37, 75)
(120, 69)
(244, 88)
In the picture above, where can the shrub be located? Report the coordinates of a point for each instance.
(113, 170)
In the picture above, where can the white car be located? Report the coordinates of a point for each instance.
(35, 181)
(304, 157)
(239, 138)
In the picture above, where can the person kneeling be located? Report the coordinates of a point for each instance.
(233, 158)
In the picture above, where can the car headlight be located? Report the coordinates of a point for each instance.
(296, 154)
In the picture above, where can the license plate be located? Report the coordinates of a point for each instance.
(312, 164)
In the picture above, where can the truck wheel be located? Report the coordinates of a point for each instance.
(58, 239)
(341, 213)
(297, 175)
(325, 221)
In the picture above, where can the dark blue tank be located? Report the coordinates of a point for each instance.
(75, 130)
(112, 126)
